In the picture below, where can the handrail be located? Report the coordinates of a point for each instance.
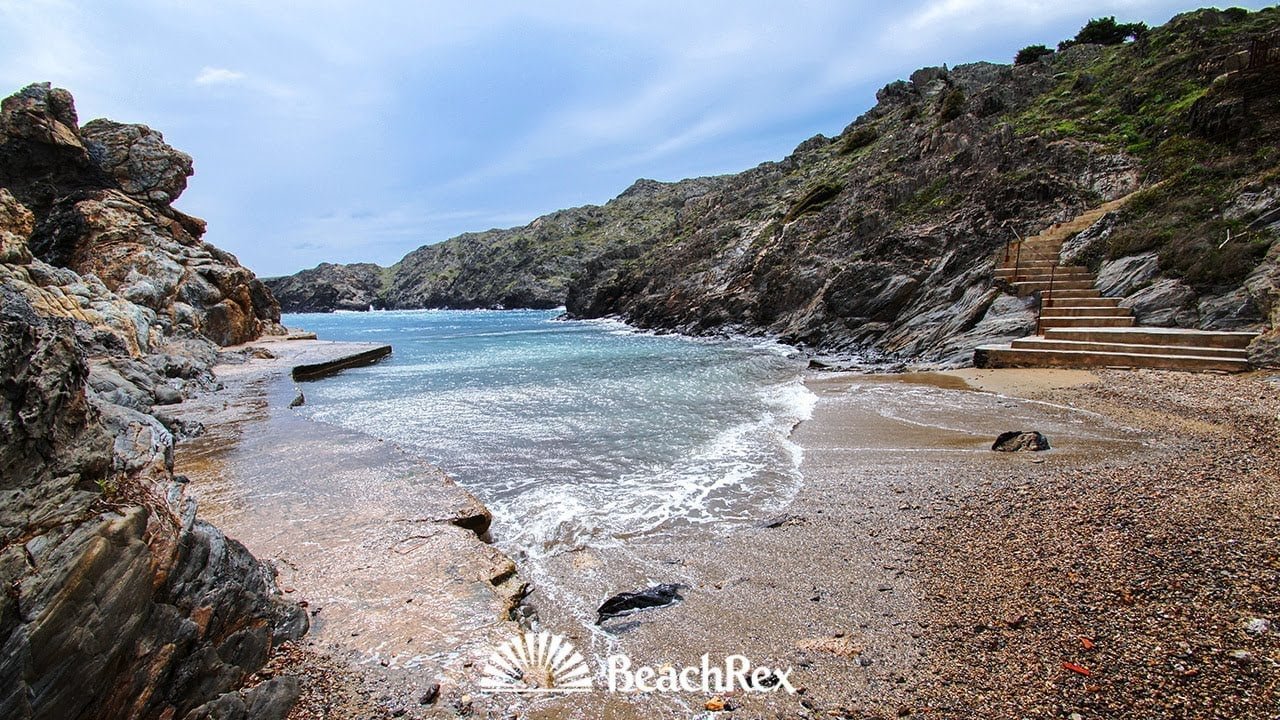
(1053, 276)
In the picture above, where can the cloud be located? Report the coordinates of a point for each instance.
(218, 76)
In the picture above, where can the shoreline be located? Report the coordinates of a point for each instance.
(857, 583)
(387, 553)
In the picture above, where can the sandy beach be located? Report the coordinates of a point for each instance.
(915, 572)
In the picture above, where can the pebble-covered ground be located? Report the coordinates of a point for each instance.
(1145, 590)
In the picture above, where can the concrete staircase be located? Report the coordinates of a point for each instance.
(1078, 327)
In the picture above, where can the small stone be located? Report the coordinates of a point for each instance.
(1075, 716)
(1257, 626)
(1241, 656)
(715, 704)
(432, 693)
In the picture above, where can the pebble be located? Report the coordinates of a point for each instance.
(1241, 656)
(1257, 626)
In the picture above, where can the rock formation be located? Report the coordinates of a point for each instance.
(882, 241)
(119, 601)
(330, 287)
(100, 199)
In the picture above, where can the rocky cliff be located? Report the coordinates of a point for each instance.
(881, 242)
(119, 601)
(525, 267)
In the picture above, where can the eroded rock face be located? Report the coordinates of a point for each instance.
(100, 201)
(118, 602)
(139, 159)
(121, 603)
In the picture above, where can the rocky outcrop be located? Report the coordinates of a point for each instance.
(119, 601)
(100, 199)
(328, 287)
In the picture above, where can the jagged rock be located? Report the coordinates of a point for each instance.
(1166, 303)
(116, 598)
(1118, 278)
(118, 602)
(139, 159)
(41, 153)
(1091, 241)
(99, 197)
(1232, 310)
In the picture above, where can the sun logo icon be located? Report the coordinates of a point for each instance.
(536, 663)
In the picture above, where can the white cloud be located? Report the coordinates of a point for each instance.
(218, 76)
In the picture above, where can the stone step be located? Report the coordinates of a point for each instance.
(1170, 337)
(1041, 268)
(1039, 343)
(1056, 311)
(1004, 356)
(1094, 321)
(1082, 302)
(1086, 293)
(1024, 286)
(1056, 278)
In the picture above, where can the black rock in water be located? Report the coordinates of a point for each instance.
(626, 603)
(1019, 440)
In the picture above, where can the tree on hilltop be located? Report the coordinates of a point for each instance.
(1105, 31)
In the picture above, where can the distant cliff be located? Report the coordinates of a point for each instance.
(882, 241)
(118, 602)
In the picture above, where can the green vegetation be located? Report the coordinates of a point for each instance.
(858, 138)
(814, 198)
(952, 105)
(928, 199)
(1030, 54)
(1105, 31)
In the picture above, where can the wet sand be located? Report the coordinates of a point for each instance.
(905, 543)
(381, 548)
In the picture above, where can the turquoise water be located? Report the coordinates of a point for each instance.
(575, 433)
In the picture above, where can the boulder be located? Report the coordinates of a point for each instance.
(137, 157)
(1078, 250)
(1165, 303)
(1020, 440)
(1118, 278)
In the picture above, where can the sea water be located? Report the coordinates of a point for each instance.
(575, 433)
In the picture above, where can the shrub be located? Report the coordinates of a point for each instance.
(858, 138)
(952, 105)
(1030, 54)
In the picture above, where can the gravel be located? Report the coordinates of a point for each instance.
(1139, 590)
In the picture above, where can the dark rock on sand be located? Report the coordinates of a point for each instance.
(1020, 440)
(626, 603)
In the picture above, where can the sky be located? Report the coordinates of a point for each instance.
(327, 131)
